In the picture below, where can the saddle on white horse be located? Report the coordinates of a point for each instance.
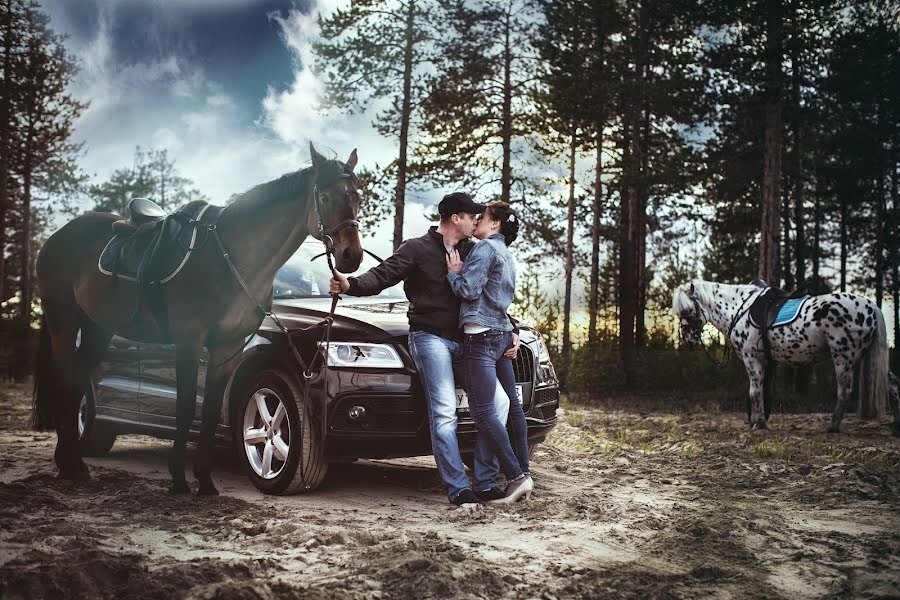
(776, 308)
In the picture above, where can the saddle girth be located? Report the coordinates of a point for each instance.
(775, 308)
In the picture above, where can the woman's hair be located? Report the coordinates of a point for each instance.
(509, 220)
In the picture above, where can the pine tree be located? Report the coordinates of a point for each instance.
(383, 51)
(37, 116)
(153, 176)
(477, 114)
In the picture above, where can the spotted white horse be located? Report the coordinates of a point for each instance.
(844, 327)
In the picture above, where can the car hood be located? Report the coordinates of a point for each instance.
(360, 319)
(366, 318)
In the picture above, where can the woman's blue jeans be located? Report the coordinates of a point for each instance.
(484, 364)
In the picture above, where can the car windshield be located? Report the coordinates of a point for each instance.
(302, 277)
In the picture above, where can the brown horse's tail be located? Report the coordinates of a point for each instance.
(43, 413)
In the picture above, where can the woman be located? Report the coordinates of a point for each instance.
(486, 284)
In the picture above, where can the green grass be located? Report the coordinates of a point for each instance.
(818, 452)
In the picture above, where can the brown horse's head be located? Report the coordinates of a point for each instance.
(333, 214)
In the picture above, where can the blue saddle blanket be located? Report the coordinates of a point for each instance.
(789, 311)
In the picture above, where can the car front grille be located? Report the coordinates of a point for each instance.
(546, 400)
(523, 365)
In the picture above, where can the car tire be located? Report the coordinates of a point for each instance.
(281, 451)
(93, 439)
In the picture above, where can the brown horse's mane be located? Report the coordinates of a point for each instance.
(284, 188)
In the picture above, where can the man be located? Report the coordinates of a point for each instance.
(434, 336)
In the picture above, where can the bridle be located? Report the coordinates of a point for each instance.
(327, 233)
(695, 323)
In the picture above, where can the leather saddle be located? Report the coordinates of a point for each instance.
(776, 307)
(152, 246)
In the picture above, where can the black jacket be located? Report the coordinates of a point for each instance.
(421, 264)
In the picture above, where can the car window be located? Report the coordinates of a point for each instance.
(303, 277)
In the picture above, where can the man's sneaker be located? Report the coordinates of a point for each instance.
(494, 493)
(465, 497)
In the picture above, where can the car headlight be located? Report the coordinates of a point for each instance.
(543, 353)
(362, 355)
(546, 375)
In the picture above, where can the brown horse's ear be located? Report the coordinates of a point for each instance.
(351, 162)
(317, 159)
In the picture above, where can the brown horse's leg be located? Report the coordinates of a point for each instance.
(186, 356)
(63, 327)
(216, 380)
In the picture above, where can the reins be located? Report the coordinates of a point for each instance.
(308, 370)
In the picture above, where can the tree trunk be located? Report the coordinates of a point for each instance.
(799, 175)
(894, 223)
(786, 271)
(506, 127)
(640, 325)
(594, 298)
(597, 209)
(5, 146)
(769, 267)
(817, 233)
(627, 280)
(845, 210)
(22, 353)
(570, 259)
(400, 197)
(881, 215)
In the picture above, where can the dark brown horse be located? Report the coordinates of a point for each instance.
(206, 304)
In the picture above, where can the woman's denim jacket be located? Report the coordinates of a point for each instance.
(486, 284)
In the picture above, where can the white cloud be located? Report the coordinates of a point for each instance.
(296, 115)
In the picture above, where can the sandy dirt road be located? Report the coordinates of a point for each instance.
(627, 505)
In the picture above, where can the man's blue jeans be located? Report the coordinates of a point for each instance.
(436, 358)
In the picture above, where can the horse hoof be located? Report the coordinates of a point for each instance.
(179, 488)
(74, 475)
(207, 490)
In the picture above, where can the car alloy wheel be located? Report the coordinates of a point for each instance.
(267, 433)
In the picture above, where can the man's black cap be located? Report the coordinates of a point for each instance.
(459, 202)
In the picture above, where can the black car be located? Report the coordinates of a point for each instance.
(375, 405)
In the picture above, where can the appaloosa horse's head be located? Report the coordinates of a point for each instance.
(334, 210)
(691, 315)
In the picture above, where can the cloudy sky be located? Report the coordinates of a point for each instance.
(223, 85)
